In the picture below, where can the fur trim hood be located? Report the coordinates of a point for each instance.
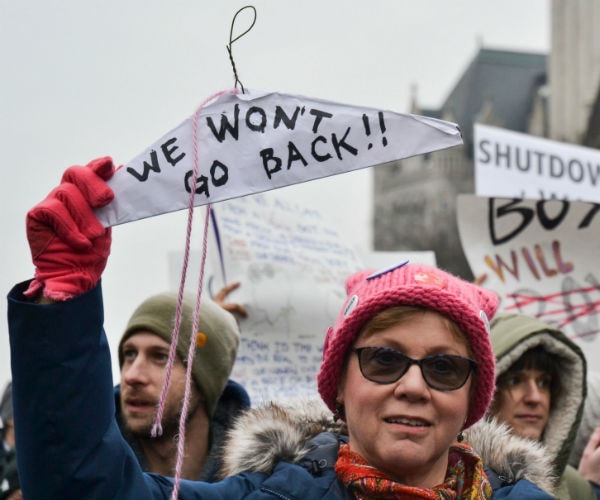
(274, 432)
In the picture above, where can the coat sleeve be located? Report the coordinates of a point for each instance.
(520, 490)
(68, 443)
(69, 446)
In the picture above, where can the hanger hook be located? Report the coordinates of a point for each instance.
(231, 40)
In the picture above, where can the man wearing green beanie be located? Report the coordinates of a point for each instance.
(215, 401)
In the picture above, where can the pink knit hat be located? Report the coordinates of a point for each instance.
(468, 305)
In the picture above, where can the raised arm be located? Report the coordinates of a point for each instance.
(68, 445)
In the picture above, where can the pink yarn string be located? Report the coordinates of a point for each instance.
(157, 427)
(190, 360)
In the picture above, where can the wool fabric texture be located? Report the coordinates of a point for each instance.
(468, 305)
(217, 339)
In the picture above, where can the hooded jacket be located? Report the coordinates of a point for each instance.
(70, 446)
(514, 334)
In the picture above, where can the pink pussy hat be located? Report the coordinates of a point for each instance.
(468, 305)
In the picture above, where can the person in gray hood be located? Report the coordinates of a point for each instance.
(540, 392)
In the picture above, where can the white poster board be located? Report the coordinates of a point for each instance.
(512, 164)
(292, 265)
(241, 144)
(541, 257)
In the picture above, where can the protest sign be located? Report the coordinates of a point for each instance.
(540, 256)
(511, 164)
(292, 265)
(254, 142)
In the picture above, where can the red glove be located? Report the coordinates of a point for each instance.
(69, 246)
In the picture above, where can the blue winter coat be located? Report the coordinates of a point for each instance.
(69, 444)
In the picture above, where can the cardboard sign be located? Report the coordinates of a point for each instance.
(541, 257)
(254, 142)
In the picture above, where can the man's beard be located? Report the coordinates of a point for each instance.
(142, 428)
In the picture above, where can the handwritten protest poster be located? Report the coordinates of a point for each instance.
(292, 265)
(541, 257)
(512, 164)
(254, 142)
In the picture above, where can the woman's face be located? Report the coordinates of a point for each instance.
(523, 402)
(405, 428)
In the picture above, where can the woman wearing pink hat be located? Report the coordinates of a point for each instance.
(407, 373)
(407, 369)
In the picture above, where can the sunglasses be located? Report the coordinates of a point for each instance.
(443, 372)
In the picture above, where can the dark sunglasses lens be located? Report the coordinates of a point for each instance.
(446, 372)
(382, 365)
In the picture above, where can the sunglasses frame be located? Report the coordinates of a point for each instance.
(472, 366)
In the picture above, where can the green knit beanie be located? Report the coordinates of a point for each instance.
(217, 338)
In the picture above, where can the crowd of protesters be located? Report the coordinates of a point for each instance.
(406, 405)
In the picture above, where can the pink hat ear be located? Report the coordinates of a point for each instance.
(327, 340)
(489, 301)
(355, 280)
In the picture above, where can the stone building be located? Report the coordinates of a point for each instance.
(555, 96)
(574, 71)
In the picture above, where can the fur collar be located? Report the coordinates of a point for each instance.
(274, 432)
(511, 456)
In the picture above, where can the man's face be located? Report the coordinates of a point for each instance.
(523, 402)
(145, 357)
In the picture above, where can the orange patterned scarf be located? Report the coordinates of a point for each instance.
(465, 478)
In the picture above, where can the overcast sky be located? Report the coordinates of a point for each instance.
(82, 79)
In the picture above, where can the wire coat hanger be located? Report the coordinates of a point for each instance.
(232, 40)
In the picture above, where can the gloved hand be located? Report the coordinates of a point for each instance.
(69, 246)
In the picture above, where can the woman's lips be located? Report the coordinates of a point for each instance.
(530, 418)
